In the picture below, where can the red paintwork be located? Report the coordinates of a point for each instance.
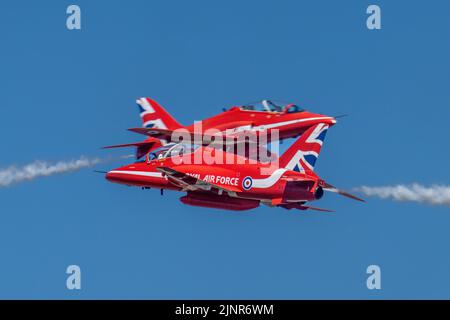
(214, 178)
(227, 176)
(237, 119)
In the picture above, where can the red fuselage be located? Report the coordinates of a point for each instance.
(241, 185)
(289, 125)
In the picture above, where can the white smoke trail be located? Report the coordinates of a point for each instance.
(435, 194)
(38, 169)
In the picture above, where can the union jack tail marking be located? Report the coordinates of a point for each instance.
(303, 154)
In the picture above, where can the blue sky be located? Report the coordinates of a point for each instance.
(67, 93)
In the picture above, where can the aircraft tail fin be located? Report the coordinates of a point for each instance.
(303, 153)
(153, 115)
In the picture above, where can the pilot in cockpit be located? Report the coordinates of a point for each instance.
(271, 106)
(171, 150)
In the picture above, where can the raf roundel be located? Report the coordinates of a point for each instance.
(247, 183)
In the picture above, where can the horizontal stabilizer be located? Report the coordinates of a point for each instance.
(142, 148)
(300, 206)
(134, 144)
(329, 187)
(154, 132)
(317, 209)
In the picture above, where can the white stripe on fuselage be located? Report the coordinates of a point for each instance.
(139, 173)
(257, 183)
(269, 181)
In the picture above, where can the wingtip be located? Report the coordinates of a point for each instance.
(134, 129)
(332, 188)
(341, 116)
(353, 197)
(318, 209)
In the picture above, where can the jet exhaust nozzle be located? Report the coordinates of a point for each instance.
(318, 194)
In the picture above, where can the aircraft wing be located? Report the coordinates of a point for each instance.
(141, 147)
(205, 139)
(190, 183)
(134, 144)
(301, 206)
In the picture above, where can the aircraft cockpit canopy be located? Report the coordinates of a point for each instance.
(170, 150)
(272, 106)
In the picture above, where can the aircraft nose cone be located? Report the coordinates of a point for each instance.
(108, 175)
(117, 176)
(329, 120)
(111, 175)
(322, 118)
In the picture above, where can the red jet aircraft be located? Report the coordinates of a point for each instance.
(240, 184)
(265, 116)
